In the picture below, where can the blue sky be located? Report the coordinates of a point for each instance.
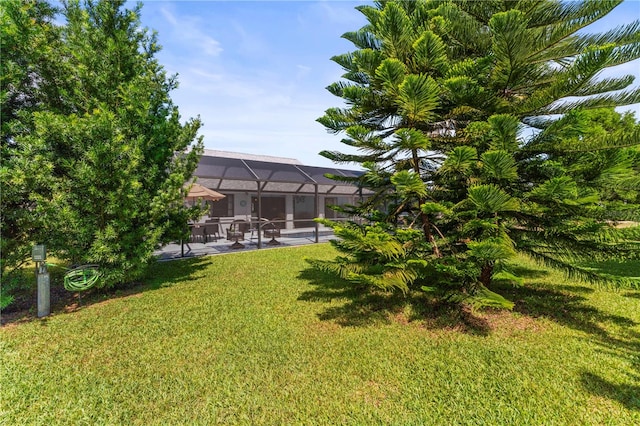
(256, 71)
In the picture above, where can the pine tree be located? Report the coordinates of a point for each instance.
(27, 34)
(111, 142)
(438, 95)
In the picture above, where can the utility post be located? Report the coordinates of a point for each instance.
(39, 255)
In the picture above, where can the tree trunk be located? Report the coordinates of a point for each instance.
(426, 223)
(485, 274)
(426, 228)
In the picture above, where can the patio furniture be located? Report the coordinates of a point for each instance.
(212, 229)
(271, 230)
(256, 226)
(198, 233)
(236, 232)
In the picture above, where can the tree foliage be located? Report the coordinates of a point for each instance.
(485, 126)
(94, 154)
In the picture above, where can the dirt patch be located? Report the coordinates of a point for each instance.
(509, 323)
(400, 318)
(485, 322)
(25, 306)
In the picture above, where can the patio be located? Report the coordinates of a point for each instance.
(288, 238)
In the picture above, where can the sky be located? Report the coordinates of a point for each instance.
(256, 72)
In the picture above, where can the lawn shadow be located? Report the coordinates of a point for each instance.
(562, 304)
(625, 268)
(567, 305)
(627, 395)
(166, 274)
(527, 272)
(159, 275)
(364, 306)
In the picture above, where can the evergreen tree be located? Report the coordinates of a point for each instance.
(27, 36)
(438, 95)
(110, 142)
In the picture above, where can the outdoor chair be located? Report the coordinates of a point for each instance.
(212, 230)
(198, 233)
(271, 230)
(236, 232)
(256, 225)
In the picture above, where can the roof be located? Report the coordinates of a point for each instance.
(225, 173)
(243, 156)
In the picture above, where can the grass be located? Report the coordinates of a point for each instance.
(255, 338)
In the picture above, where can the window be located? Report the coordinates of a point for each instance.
(273, 207)
(329, 213)
(304, 207)
(222, 208)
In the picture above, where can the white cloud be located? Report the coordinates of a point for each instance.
(187, 29)
(256, 115)
(303, 71)
(210, 46)
(335, 12)
(169, 16)
(248, 43)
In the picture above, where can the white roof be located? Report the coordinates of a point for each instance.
(254, 157)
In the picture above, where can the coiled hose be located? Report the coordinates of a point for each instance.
(81, 278)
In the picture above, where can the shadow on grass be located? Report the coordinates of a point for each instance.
(564, 304)
(628, 268)
(166, 274)
(159, 275)
(627, 395)
(567, 306)
(362, 306)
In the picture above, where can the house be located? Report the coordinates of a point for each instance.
(273, 188)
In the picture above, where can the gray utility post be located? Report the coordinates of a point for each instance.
(39, 255)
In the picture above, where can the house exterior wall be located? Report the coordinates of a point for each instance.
(297, 207)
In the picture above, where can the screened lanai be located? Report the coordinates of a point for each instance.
(274, 189)
(236, 174)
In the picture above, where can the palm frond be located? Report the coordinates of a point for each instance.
(339, 157)
(460, 161)
(499, 166)
(491, 199)
(394, 28)
(555, 189)
(598, 85)
(418, 98)
(340, 267)
(572, 271)
(429, 54)
(391, 74)
(627, 97)
(363, 39)
(409, 184)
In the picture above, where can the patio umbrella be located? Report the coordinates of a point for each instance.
(199, 191)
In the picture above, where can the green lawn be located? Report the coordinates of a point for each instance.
(253, 338)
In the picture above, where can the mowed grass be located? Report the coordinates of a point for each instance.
(256, 338)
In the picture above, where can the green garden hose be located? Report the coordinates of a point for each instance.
(81, 278)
